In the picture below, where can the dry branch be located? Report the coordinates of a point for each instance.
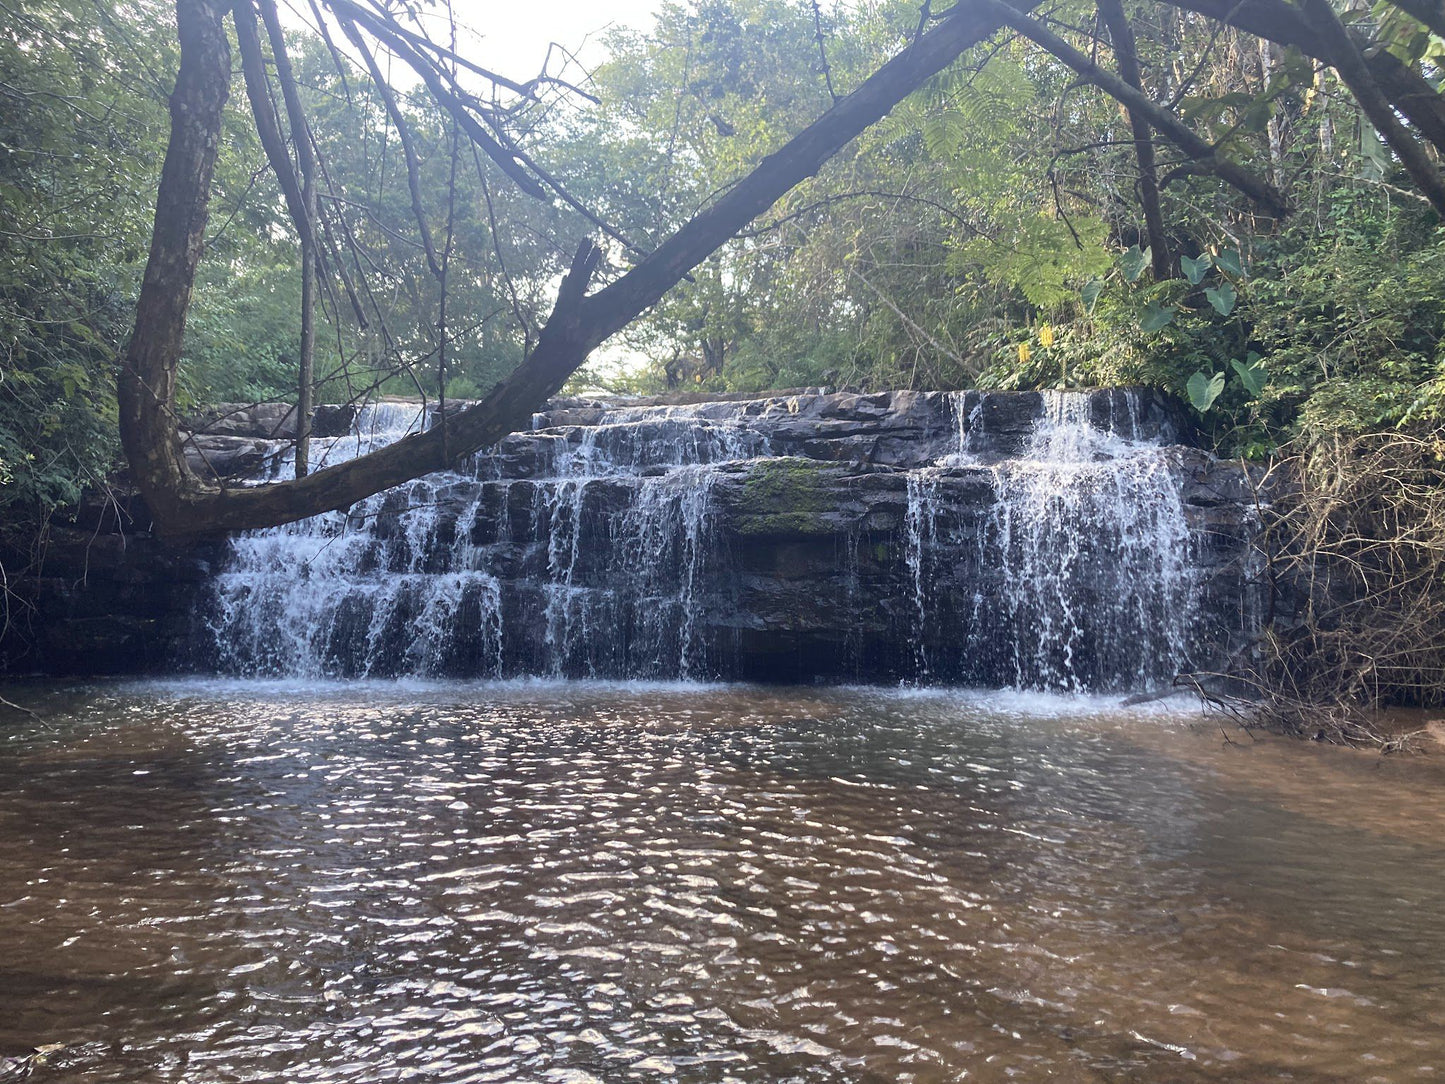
(1357, 537)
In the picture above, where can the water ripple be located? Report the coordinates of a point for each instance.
(572, 883)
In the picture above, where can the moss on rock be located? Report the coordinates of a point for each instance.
(784, 496)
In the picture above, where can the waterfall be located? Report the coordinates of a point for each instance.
(593, 564)
(1088, 543)
(1021, 539)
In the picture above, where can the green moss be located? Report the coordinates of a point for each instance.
(784, 496)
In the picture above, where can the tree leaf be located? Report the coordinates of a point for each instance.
(1222, 297)
(1195, 270)
(1155, 317)
(1203, 390)
(1091, 291)
(1133, 262)
(1227, 260)
(1251, 374)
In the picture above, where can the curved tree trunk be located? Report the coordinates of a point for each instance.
(147, 382)
(184, 506)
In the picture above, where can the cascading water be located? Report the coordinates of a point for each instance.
(1092, 585)
(606, 543)
(607, 539)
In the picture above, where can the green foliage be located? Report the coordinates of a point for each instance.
(81, 121)
(1041, 257)
(1133, 262)
(996, 208)
(1222, 297)
(1251, 373)
(1204, 390)
(1155, 317)
(1196, 269)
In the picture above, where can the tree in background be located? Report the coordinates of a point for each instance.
(1205, 196)
(185, 504)
(1008, 226)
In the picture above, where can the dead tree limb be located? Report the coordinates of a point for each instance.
(403, 133)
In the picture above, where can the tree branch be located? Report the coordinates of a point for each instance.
(403, 133)
(183, 506)
(1126, 55)
(1258, 190)
(1283, 23)
(1346, 59)
(1429, 12)
(263, 110)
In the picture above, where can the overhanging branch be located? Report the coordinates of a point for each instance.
(185, 506)
(1257, 189)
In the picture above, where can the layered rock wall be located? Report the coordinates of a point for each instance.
(894, 536)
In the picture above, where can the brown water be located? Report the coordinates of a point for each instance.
(264, 882)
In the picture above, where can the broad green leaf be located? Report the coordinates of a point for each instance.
(1227, 260)
(1155, 317)
(1091, 291)
(1195, 270)
(1251, 374)
(1203, 390)
(1133, 262)
(1222, 297)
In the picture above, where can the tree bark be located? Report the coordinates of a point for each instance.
(306, 166)
(1126, 55)
(306, 363)
(147, 380)
(183, 506)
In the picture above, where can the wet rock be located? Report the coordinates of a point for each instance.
(790, 552)
(231, 457)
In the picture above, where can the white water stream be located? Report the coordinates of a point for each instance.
(601, 557)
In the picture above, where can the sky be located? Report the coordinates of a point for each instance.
(514, 34)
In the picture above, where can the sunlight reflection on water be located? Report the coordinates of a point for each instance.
(220, 880)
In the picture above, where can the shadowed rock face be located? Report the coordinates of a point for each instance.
(1041, 540)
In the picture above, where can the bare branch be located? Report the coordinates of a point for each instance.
(403, 133)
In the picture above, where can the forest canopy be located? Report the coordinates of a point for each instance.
(1240, 203)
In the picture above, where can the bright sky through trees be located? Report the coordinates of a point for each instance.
(513, 37)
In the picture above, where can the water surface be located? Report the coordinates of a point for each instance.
(206, 881)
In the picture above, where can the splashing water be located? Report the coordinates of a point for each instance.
(607, 543)
(1059, 558)
(1087, 536)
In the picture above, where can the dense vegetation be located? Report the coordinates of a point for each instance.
(991, 231)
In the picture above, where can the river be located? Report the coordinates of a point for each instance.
(542, 881)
